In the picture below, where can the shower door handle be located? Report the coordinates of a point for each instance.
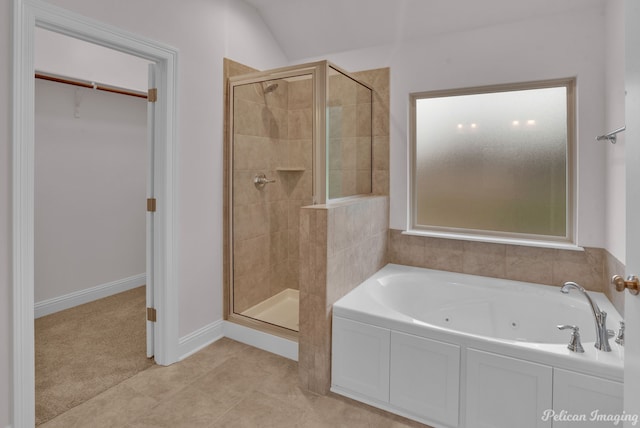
(260, 180)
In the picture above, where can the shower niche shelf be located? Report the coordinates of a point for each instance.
(290, 169)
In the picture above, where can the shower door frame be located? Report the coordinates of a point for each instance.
(318, 72)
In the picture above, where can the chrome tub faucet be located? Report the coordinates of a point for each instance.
(600, 317)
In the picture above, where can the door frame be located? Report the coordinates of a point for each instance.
(632, 204)
(27, 15)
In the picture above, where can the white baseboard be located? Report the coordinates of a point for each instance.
(205, 336)
(56, 304)
(268, 342)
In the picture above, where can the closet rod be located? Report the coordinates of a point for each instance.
(90, 85)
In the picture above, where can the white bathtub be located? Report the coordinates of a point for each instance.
(467, 319)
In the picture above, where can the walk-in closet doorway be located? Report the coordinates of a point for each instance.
(91, 180)
(30, 14)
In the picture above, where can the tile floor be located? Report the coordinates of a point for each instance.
(227, 384)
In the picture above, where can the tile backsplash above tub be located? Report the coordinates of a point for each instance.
(590, 268)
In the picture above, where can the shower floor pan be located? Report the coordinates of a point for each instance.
(281, 309)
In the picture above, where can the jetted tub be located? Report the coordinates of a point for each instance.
(456, 350)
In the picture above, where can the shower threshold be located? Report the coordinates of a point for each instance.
(281, 309)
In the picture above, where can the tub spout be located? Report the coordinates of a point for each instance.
(600, 317)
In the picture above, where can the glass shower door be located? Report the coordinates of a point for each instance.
(272, 177)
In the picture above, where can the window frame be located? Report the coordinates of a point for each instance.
(566, 241)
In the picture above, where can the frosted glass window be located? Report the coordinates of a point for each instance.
(495, 162)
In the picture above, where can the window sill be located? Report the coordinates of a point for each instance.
(495, 240)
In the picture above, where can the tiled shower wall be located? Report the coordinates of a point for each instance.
(272, 134)
(338, 250)
(378, 80)
(349, 126)
(590, 268)
(299, 180)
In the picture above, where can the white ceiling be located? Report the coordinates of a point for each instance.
(312, 28)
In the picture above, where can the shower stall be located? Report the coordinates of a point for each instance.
(297, 136)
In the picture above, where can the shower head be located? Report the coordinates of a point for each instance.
(270, 87)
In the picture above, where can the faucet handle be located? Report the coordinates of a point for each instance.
(567, 326)
(620, 336)
(574, 341)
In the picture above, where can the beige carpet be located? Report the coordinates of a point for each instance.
(83, 351)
